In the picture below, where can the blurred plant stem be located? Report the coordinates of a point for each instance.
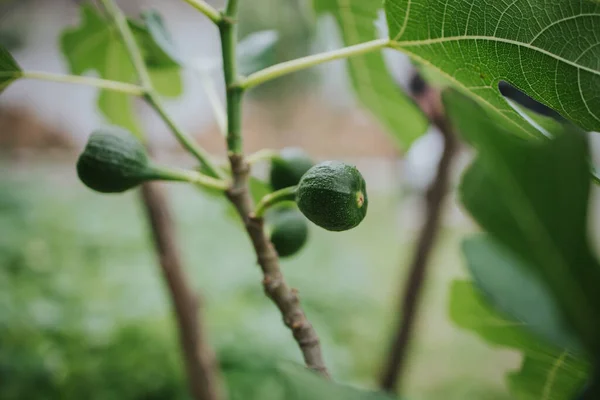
(200, 362)
(121, 87)
(201, 367)
(429, 100)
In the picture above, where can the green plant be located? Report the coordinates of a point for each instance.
(528, 188)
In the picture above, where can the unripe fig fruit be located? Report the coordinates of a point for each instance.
(333, 195)
(113, 161)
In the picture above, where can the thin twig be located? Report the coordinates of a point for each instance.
(285, 298)
(200, 362)
(135, 54)
(206, 9)
(288, 67)
(121, 87)
(429, 101)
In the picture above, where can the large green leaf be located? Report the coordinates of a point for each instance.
(546, 372)
(532, 197)
(548, 48)
(513, 288)
(250, 376)
(9, 69)
(370, 77)
(257, 51)
(96, 45)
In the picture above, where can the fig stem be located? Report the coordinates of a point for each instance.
(206, 9)
(261, 155)
(181, 175)
(285, 194)
(114, 86)
(288, 67)
(151, 95)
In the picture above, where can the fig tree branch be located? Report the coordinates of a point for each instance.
(429, 100)
(206, 9)
(184, 139)
(269, 200)
(115, 86)
(261, 155)
(200, 363)
(133, 50)
(288, 67)
(285, 298)
(165, 173)
(151, 96)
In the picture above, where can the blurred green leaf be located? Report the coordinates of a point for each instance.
(547, 372)
(9, 69)
(256, 51)
(161, 37)
(532, 197)
(549, 49)
(513, 288)
(96, 45)
(251, 376)
(374, 86)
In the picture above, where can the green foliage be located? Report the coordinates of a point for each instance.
(161, 37)
(133, 363)
(514, 289)
(95, 45)
(374, 86)
(532, 197)
(56, 342)
(9, 69)
(547, 372)
(549, 49)
(333, 195)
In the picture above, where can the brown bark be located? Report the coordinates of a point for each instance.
(200, 362)
(285, 298)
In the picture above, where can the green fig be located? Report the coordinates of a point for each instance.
(333, 195)
(288, 167)
(114, 161)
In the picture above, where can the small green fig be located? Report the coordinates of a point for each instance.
(333, 195)
(289, 230)
(113, 161)
(288, 167)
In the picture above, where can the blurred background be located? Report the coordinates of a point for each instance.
(83, 310)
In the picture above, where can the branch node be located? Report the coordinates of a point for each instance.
(272, 283)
